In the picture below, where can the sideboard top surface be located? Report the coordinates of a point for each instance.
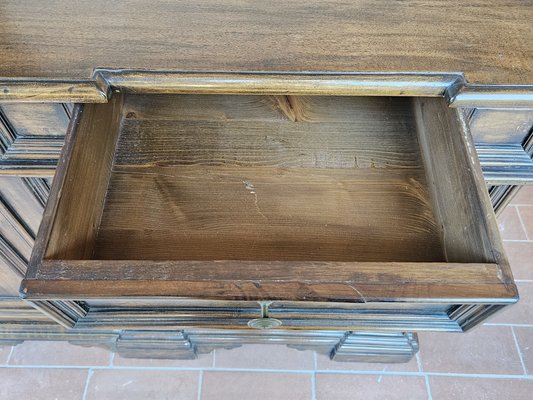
(58, 39)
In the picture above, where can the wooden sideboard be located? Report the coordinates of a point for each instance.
(321, 175)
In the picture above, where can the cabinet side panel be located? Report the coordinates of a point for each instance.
(470, 232)
(21, 208)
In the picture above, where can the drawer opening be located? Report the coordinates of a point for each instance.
(157, 185)
(211, 177)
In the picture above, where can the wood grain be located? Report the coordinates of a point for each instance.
(266, 178)
(464, 229)
(21, 208)
(469, 229)
(82, 182)
(267, 214)
(500, 127)
(271, 185)
(36, 119)
(491, 45)
(331, 132)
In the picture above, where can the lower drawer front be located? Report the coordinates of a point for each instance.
(504, 142)
(188, 314)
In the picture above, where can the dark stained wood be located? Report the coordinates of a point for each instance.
(267, 178)
(447, 155)
(350, 214)
(31, 137)
(491, 45)
(274, 184)
(469, 228)
(493, 96)
(87, 179)
(289, 281)
(44, 120)
(267, 214)
(250, 290)
(500, 127)
(352, 83)
(21, 206)
(51, 91)
(504, 143)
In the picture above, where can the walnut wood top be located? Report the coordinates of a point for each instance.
(59, 39)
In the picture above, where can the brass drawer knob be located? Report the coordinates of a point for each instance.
(265, 322)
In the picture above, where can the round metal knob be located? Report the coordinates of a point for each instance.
(264, 323)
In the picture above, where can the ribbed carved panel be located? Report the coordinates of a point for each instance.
(371, 347)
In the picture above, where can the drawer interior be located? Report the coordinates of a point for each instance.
(309, 193)
(214, 177)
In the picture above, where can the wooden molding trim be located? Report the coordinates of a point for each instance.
(51, 91)
(65, 313)
(493, 96)
(104, 82)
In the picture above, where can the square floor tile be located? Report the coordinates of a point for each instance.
(524, 336)
(222, 385)
(510, 225)
(526, 214)
(484, 350)
(133, 384)
(459, 388)
(58, 353)
(367, 387)
(324, 363)
(4, 354)
(520, 256)
(265, 357)
(524, 196)
(520, 313)
(203, 361)
(42, 383)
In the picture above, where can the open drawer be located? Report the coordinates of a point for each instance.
(301, 200)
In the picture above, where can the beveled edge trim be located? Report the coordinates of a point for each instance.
(493, 96)
(235, 280)
(279, 83)
(41, 169)
(105, 81)
(65, 313)
(51, 91)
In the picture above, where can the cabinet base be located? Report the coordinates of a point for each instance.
(178, 344)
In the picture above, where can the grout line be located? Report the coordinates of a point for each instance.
(426, 377)
(418, 363)
(313, 377)
(522, 222)
(524, 280)
(112, 359)
(519, 351)
(86, 388)
(428, 387)
(9, 355)
(285, 371)
(200, 383)
(517, 241)
(313, 385)
(516, 325)
(214, 357)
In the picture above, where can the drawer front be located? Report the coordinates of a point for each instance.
(500, 127)
(31, 137)
(309, 200)
(22, 202)
(504, 142)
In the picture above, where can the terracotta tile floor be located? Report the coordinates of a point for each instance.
(494, 361)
